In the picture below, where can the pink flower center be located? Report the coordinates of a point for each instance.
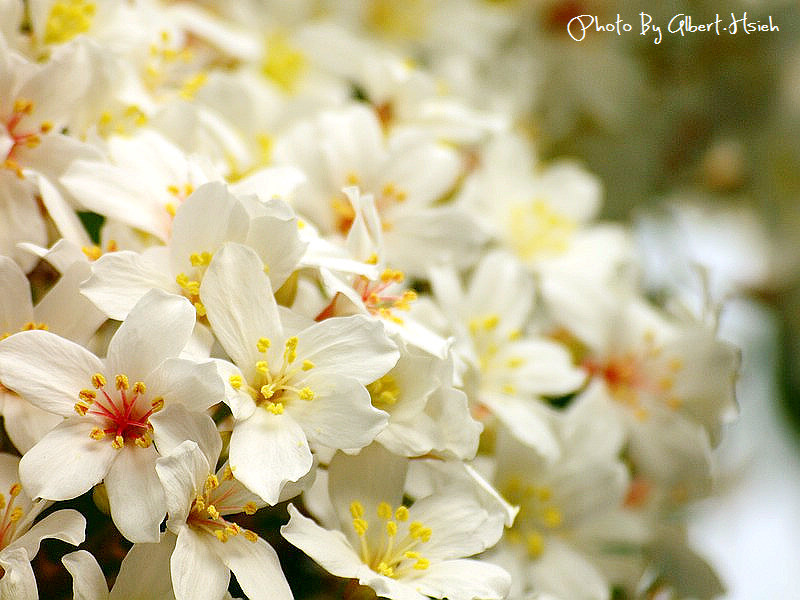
(123, 413)
(15, 139)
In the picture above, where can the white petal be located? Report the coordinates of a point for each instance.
(464, 580)
(15, 301)
(47, 370)
(567, 574)
(120, 279)
(66, 462)
(176, 424)
(268, 450)
(18, 582)
(374, 475)
(25, 423)
(256, 567)
(330, 549)
(354, 346)
(241, 308)
(66, 525)
(66, 311)
(277, 242)
(341, 416)
(135, 494)
(88, 581)
(461, 525)
(207, 219)
(197, 386)
(529, 420)
(158, 327)
(197, 572)
(144, 573)
(182, 473)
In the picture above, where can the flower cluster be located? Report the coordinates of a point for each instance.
(322, 276)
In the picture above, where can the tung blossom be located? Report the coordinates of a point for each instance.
(112, 408)
(402, 552)
(289, 388)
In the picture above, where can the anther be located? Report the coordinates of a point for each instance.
(122, 382)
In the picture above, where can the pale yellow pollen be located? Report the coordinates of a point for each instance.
(263, 344)
(352, 178)
(171, 209)
(308, 365)
(283, 64)
(385, 570)
(306, 394)
(360, 526)
(15, 489)
(356, 509)
(157, 404)
(515, 362)
(388, 275)
(16, 514)
(92, 252)
(2, 501)
(192, 85)
(552, 517)
(534, 542)
(250, 536)
(23, 106)
(262, 367)
(221, 535)
(509, 389)
(401, 514)
(227, 473)
(536, 230)
(391, 528)
(235, 381)
(13, 165)
(81, 408)
(143, 441)
(250, 508)
(46, 126)
(290, 353)
(675, 364)
(211, 483)
(200, 259)
(97, 434)
(276, 408)
(68, 18)
(674, 403)
(212, 511)
(419, 531)
(385, 510)
(384, 392)
(118, 442)
(98, 380)
(139, 387)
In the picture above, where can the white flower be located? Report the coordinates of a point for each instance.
(509, 369)
(116, 400)
(426, 413)
(206, 546)
(671, 382)
(403, 553)
(407, 175)
(19, 541)
(571, 513)
(207, 219)
(289, 388)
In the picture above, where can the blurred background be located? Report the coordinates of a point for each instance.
(696, 140)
